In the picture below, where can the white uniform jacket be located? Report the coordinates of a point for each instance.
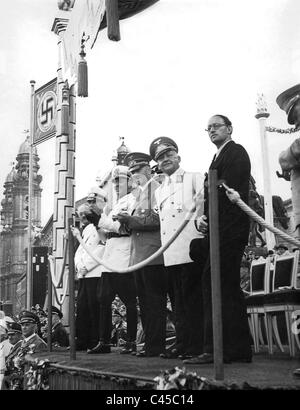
(117, 249)
(5, 348)
(83, 260)
(174, 198)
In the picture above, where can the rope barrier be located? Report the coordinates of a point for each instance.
(57, 284)
(64, 294)
(234, 197)
(145, 262)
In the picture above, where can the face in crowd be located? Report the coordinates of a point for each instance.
(28, 329)
(219, 130)
(123, 186)
(83, 218)
(169, 162)
(14, 337)
(141, 176)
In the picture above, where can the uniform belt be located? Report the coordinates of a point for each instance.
(110, 235)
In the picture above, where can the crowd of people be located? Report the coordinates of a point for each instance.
(146, 211)
(26, 334)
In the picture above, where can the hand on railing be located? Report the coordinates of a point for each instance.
(232, 195)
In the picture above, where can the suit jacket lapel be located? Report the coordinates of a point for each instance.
(216, 161)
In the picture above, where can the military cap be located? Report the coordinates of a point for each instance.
(120, 171)
(56, 311)
(136, 160)
(14, 327)
(161, 145)
(96, 192)
(281, 246)
(287, 101)
(28, 317)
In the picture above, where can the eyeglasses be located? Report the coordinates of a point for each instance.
(215, 126)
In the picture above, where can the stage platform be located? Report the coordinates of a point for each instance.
(125, 372)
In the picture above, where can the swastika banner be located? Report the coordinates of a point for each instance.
(45, 112)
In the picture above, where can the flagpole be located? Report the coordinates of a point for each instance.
(29, 286)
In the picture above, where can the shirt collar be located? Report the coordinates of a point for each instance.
(221, 147)
(172, 177)
(28, 338)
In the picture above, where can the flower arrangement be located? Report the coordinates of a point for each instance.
(37, 375)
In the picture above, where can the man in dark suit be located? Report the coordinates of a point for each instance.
(151, 280)
(59, 335)
(233, 165)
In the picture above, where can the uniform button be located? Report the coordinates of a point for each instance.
(162, 219)
(173, 216)
(137, 234)
(172, 203)
(164, 233)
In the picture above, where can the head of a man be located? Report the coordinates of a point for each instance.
(164, 151)
(168, 162)
(28, 328)
(280, 249)
(219, 129)
(121, 178)
(97, 198)
(84, 212)
(141, 176)
(29, 322)
(57, 315)
(14, 333)
(139, 166)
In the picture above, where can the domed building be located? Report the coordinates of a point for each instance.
(122, 151)
(14, 225)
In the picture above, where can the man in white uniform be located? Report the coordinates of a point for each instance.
(174, 198)
(117, 255)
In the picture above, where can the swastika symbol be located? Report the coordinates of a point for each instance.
(47, 111)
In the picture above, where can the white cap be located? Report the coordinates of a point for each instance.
(96, 192)
(120, 171)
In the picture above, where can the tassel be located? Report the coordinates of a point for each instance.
(112, 20)
(65, 110)
(82, 85)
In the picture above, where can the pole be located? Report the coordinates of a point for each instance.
(71, 292)
(49, 330)
(215, 274)
(30, 202)
(262, 116)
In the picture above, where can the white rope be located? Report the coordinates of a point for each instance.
(234, 197)
(145, 262)
(51, 259)
(64, 293)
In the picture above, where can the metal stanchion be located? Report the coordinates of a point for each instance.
(49, 327)
(215, 274)
(71, 292)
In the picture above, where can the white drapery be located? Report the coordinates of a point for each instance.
(85, 17)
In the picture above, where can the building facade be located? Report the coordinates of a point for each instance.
(14, 225)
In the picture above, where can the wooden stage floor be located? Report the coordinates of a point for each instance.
(265, 371)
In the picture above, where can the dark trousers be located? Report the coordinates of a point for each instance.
(87, 317)
(185, 291)
(151, 283)
(123, 285)
(236, 337)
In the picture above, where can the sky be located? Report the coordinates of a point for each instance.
(177, 64)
